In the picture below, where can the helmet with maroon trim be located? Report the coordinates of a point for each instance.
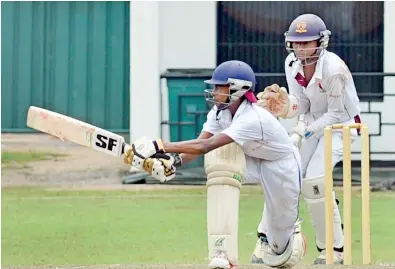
(240, 78)
(307, 28)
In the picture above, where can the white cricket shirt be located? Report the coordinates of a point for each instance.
(329, 98)
(253, 128)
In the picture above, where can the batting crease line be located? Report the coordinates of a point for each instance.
(143, 196)
(112, 197)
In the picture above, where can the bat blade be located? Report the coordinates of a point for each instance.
(76, 131)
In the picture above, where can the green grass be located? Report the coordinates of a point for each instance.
(10, 157)
(128, 227)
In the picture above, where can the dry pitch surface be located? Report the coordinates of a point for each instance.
(190, 266)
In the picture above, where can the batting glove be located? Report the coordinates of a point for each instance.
(142, 149)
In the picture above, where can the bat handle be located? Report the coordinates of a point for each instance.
(125, 147)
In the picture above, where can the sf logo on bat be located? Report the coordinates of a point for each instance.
(107, 144)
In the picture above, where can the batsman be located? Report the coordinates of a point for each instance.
(321, 93)
(239, 140)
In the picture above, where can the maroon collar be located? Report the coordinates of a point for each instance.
(301, 80)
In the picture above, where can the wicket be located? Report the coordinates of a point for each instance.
(347, 216)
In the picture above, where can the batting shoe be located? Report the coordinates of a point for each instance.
(220, 261)
(337, 259)
(262, 246)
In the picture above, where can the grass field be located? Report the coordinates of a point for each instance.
(9, 158)
(148, 227)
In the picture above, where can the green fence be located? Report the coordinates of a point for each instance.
(69, 57)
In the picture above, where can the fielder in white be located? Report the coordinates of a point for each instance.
(321, 93)
(240, 140)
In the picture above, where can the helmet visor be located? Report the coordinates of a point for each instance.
(216, 82)
(306, 52)
(209, 96)
(306, 38)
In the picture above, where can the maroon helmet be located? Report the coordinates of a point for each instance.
(305, 28)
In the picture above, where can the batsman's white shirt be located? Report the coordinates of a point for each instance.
(272, 159)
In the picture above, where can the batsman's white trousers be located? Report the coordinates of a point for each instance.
(281, 184)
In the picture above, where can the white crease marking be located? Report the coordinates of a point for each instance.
(93, 197)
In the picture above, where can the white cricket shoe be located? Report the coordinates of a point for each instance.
(220, 261)
(337, 259)
(261, 247)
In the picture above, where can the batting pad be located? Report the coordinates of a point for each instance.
(225, 170)
(313, 190)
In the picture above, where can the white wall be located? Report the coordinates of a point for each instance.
(165, 35)
(176, 35)
(187, 40)
(144, 69)
(187, 34)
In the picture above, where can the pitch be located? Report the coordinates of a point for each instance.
(191, 266)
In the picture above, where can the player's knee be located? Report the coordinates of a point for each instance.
(314, 187)
(293, 253)
(314, 171)
(225, 164)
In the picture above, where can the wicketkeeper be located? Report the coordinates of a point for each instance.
(321, 93)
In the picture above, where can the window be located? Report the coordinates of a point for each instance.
(254, 32)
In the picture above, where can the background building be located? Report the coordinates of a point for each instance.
(138, 67)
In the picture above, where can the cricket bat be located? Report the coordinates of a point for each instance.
(76, 131)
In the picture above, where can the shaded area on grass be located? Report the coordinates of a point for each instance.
(20, 158)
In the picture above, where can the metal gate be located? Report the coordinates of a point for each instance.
(254, 32)
(70, 57)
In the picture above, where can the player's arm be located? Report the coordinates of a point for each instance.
(335, 87)
(240, 131)
(296, 93)
(143, 149)
(198, 146)
(176, 153)
(185, 157)
(163, 166)
(210, 127)
(299, 126)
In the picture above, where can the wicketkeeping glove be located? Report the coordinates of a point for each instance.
(275, 100)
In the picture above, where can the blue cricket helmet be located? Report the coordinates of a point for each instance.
(234, 69)
(240, 78)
